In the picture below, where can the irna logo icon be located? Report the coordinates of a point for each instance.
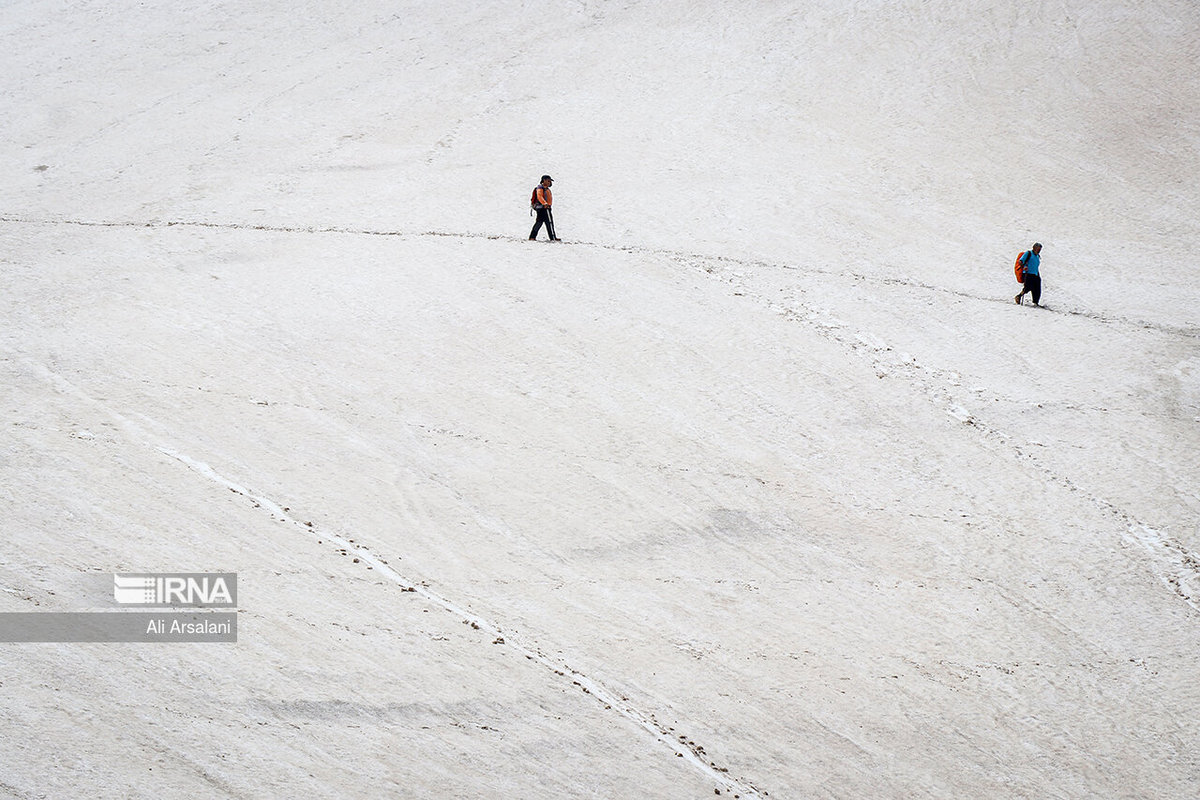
(177, 589)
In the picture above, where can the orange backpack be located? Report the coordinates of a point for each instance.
(1019, 267)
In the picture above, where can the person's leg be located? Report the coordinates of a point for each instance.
(550, 225)
(537, 226)
(1036, 289)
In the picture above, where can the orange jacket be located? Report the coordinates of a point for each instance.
(542, 197)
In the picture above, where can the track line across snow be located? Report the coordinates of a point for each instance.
(1104, 319)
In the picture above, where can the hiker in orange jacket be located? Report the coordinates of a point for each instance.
(541, 203)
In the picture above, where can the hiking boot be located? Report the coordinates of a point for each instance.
(1017, 299)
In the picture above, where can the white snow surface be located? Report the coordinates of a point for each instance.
(759, 485)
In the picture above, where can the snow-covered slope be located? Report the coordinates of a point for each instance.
(760, 484)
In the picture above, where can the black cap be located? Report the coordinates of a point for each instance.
(547, 178)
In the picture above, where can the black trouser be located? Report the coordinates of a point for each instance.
(543, 217)
(1033, 285)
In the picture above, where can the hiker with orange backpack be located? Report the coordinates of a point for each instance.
(1027, 273)
(541, 201)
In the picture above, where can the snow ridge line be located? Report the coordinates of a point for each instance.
(1172, 563)
(611, 699)
(1100, 317)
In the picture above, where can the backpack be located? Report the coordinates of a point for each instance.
(1019, 267)
(533, 198)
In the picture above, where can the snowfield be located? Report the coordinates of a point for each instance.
(759, 485)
